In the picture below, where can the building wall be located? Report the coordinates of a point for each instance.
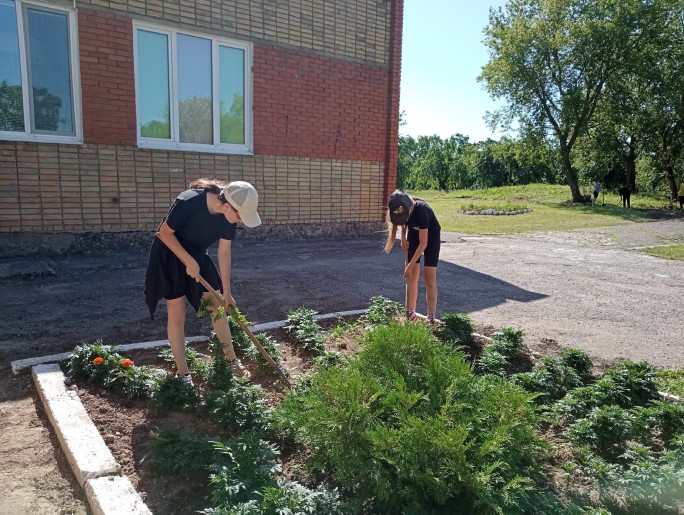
(326, 85)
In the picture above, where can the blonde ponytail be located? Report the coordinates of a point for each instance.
(391, 236)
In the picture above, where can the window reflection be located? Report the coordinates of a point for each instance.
(11, 100)
(48, 37)
(194, 90)
(232, 91)
(153, 85)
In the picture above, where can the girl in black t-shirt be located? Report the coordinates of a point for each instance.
(207, 212)
(420, 233)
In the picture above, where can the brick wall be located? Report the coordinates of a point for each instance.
(357, 29)
(103, 187)
(325, 120)
(107, 77)
(317, 106)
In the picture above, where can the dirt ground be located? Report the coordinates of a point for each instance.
(586, 289)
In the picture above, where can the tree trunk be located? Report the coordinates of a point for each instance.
(670, 176)
(571, 176)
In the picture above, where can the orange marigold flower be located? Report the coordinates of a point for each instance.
(127, 363)
(98, 361)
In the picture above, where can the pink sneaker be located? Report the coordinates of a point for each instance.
(411, 315)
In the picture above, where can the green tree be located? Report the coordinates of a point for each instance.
(551, 60)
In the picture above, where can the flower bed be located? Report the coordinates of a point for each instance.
(385, 418)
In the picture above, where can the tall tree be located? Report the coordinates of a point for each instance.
(551, 59)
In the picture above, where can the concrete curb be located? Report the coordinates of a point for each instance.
(90, 459)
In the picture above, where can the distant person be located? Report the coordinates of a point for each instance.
(681, 195)
(625, 195)
(420, 234)
(597, 188)
(207, 212)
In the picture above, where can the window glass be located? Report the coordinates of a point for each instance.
(11, 100)
(232, 94)
(194, 90)
(153, 85)
(50, 75)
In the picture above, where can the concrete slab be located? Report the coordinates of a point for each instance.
(114, 495)
(84, 448)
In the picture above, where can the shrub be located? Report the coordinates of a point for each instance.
(382, 310)
(605, 430)
(173, 452)
(302, 326)
(457, 329)
(552, 381)
(663, 417)
(241, 406)
(405, 426)
(579, 361)
(503, 354)
(174, 394)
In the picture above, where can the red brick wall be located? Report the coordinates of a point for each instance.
(309, 105)
(392, 155)
(107, 79)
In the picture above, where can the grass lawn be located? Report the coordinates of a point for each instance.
(551, 209)
(671, 381)
(666, 251)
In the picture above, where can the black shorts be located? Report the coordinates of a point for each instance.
(431, 252)
(596, 194)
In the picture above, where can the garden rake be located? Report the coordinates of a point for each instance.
(242, 324)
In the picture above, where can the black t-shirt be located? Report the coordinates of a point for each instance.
(422, 217)
(194, 225)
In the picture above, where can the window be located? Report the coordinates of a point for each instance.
(193, 92)
(39, 95)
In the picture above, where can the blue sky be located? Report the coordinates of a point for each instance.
(442, 55)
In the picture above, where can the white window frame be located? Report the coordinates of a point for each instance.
(74, 65)
(174, 143)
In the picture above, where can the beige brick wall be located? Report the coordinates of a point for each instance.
(351, 29)
(94, 187)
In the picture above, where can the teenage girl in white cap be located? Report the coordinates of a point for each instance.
(207, 212)
(420, 233)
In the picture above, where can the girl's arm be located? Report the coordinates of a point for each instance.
(168, 238)
(404, 243)
(224, 261)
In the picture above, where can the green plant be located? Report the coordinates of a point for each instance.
(302, 326)
(605, 429)
(245, 465)
(270, 346)
(174, 394)
(328, 359)
(175, 452)
(98, 364)
(665, 418)
(196, 364)
(671, 381)
(382, 310)
(579, 361)
(503, 354)
(552, 381)
(240, 406)
(457, 329)
(406, 427)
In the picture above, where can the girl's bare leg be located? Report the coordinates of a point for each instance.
(175, 328)
(430, 276)
(412, 287)
(221, 328)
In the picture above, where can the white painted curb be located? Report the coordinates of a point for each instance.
(83, 446)
(114, 495)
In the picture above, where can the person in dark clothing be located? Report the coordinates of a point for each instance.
(625, 195)
(207, 212)
(420, 236)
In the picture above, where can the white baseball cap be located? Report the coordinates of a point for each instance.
(245, 199)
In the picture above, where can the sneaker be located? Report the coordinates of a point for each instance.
(411, 315)
(187, 379)
(431, 319)
(239, 369)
